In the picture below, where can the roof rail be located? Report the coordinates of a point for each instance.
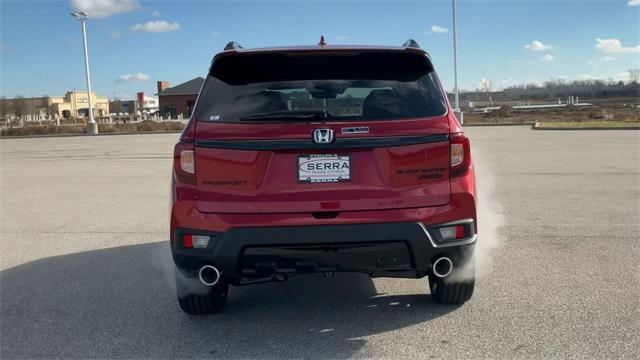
(232, 45)
(411, 43)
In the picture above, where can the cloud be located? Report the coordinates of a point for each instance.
(536, 45)
(132, 78)
(605, 58)
(634, 3)
(547, 58)
(586, 77)
(342, 37)
(614, 75)
(615, 46)
(155, 13)
(115, 34)
(621, 76)
(156, 26)
(506, 82)
(438, 29)
(216, 33)
(484, 85)
(104, 8)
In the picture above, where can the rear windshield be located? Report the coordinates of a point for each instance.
(308, 87)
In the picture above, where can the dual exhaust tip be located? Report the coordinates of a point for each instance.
(442, 267)
(209, 275)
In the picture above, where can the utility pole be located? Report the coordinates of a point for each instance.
(455, 65)
(92, 127)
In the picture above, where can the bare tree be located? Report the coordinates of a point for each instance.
(553, 84)
(46, 107)
(4, 106)
(51, 110)
(19, 106)
(532, 86)
(634, 76)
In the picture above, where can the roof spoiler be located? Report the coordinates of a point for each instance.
(410, 43)
(232, 45)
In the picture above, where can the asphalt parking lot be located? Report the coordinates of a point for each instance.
(85, 270)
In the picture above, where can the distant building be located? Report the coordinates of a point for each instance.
(72, 104)
(122, 107)
(149, 105)
(179, 99)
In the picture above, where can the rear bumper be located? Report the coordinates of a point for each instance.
(247, 254)
(272, 246)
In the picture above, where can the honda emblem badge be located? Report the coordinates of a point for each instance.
(323, 136)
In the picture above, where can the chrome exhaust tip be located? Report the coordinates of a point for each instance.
(442, 267)
(209, 275)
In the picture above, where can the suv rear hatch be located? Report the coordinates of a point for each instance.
(321, 131)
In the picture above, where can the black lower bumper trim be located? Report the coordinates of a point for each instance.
(268, 260)
(243, 254)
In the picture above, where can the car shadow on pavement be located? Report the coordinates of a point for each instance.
(120, 303)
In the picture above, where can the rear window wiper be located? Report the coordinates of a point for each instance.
(289, 115)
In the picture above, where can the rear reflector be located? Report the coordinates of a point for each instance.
(452, 232)
(187, 241)
(200, 241)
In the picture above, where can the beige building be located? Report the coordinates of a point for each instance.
(72, 104)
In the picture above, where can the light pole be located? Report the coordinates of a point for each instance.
(92, 127)
(455, 65)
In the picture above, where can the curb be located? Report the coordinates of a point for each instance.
(4, 137)
(537, 126)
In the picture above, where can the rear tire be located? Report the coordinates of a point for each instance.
(197, 299)
(455, 289)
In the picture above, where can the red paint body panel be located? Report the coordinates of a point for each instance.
(243, 181)
(186, 213)
(461, 206)
(266, 192)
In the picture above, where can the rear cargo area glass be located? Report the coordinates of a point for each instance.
(310, 86)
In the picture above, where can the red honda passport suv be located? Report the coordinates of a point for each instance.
(321, 159)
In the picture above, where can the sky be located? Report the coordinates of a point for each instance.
(134, 43)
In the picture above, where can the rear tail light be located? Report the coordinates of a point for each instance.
(190, 241)
(457, 154)
(460, 154)
(187, 161)
(184, 162)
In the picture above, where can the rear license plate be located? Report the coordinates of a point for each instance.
(323, 168)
